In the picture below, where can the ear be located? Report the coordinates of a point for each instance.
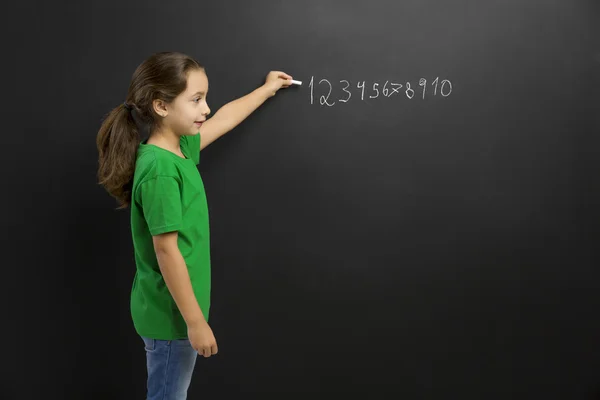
(160, 107)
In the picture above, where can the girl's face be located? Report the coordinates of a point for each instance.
(189, 110)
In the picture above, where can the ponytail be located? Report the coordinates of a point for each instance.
(117, 142)
(161, 76)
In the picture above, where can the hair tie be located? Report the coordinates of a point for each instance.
(127, 106)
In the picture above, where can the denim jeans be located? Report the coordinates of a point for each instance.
(170, 365)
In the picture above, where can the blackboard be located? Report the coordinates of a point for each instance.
(419, 219)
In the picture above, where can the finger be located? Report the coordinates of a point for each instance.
(214, 349)
(283, 75)
(203, 351)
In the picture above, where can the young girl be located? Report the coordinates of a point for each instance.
(158, 180)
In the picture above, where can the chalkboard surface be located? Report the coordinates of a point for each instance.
(417, 220)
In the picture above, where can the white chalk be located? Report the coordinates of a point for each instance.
(296, 82)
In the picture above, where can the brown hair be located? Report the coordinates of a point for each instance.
(162, 76)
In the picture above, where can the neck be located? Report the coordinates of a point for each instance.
(165, 139)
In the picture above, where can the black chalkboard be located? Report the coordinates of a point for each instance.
(418, 220)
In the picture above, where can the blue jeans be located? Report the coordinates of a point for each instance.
(170, 364)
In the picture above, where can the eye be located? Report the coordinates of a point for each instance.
(198, 99)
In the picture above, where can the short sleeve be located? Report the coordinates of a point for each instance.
(161, 204)
(191, 144)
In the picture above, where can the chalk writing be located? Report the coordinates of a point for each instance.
(329, 94)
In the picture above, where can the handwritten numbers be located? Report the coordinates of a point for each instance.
(396, 88)
(423, 82)
(442, 88)
(376, 90)
(324, 99)
(362, 96)
(342, 92)
(346, 90)
(408, 89)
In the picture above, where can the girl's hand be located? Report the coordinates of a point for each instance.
(276, 80)
(202, 339)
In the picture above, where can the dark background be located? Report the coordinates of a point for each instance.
(427, 248)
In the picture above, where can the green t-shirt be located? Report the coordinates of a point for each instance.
(168, 195)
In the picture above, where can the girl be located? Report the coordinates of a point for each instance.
(158, 180)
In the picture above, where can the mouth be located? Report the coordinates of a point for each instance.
(199, 123)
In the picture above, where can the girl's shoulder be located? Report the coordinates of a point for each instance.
(152, 161)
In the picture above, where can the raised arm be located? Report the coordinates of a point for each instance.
(233, 113)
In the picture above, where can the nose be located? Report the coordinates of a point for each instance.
(206, 111)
